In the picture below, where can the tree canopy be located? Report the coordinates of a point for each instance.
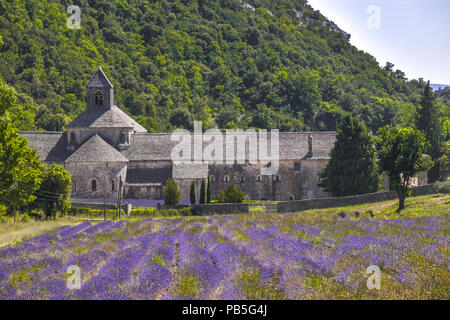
(283, 65)
(401, 155)
(352, 168)
(54, 193)
(20, 168)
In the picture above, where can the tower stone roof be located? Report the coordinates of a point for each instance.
(96, 150)
(104, 117)
(99, 80)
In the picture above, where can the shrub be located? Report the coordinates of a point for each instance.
(232, 194)
(25, 218)
(37, 215)
(442, 187)
(171, 194)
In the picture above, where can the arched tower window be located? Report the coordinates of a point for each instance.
(113, 185)
(94, 185)
(74, 186)
(99, 98)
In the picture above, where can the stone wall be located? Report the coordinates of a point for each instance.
(83, 173)
(211, 209)
(295, 206)
(220, 208)
(78, 136)
(100, 206)
(294, 180)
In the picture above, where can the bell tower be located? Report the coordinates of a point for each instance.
(100, 91)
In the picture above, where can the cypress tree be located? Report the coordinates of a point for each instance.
(202, 192)
(171, 194)
(427, 120)
(192, 194)
(208, 191)
(352, 168)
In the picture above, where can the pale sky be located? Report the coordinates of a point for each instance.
(413, 34)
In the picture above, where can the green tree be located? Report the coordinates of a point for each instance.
(182, 118)
(20, 168)
(192, 193)
(232, 194)
(54, 192)
(401, 155)
(208, 191)
(444, 161)
(352, 168)
(171, 194)
(428, 121)
(202, 192)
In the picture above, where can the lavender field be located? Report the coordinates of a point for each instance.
(256, 256)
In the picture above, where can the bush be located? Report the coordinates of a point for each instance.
(171, 194)
(442, 187)
(37, 215)
(232, 194)
(25, 218)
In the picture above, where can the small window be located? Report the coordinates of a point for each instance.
(212, 178)
(74, 185)
(72, 137)
(291, 197)
(242, 179)
(122, 137)
(226, 178)
(98, 98)
(258, 178)
(113, 186)
(94, 185)
(297, 166)
(277, 178)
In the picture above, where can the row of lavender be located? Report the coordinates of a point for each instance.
(233, 257)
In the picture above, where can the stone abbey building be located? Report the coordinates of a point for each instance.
(104, 145)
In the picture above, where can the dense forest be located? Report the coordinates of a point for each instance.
(263, 64)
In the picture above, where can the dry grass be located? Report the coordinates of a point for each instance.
(13, 233)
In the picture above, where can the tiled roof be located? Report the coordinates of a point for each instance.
(104, 117)
(99, 80)
(96, 150)
(292, 146)
(50, 146)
